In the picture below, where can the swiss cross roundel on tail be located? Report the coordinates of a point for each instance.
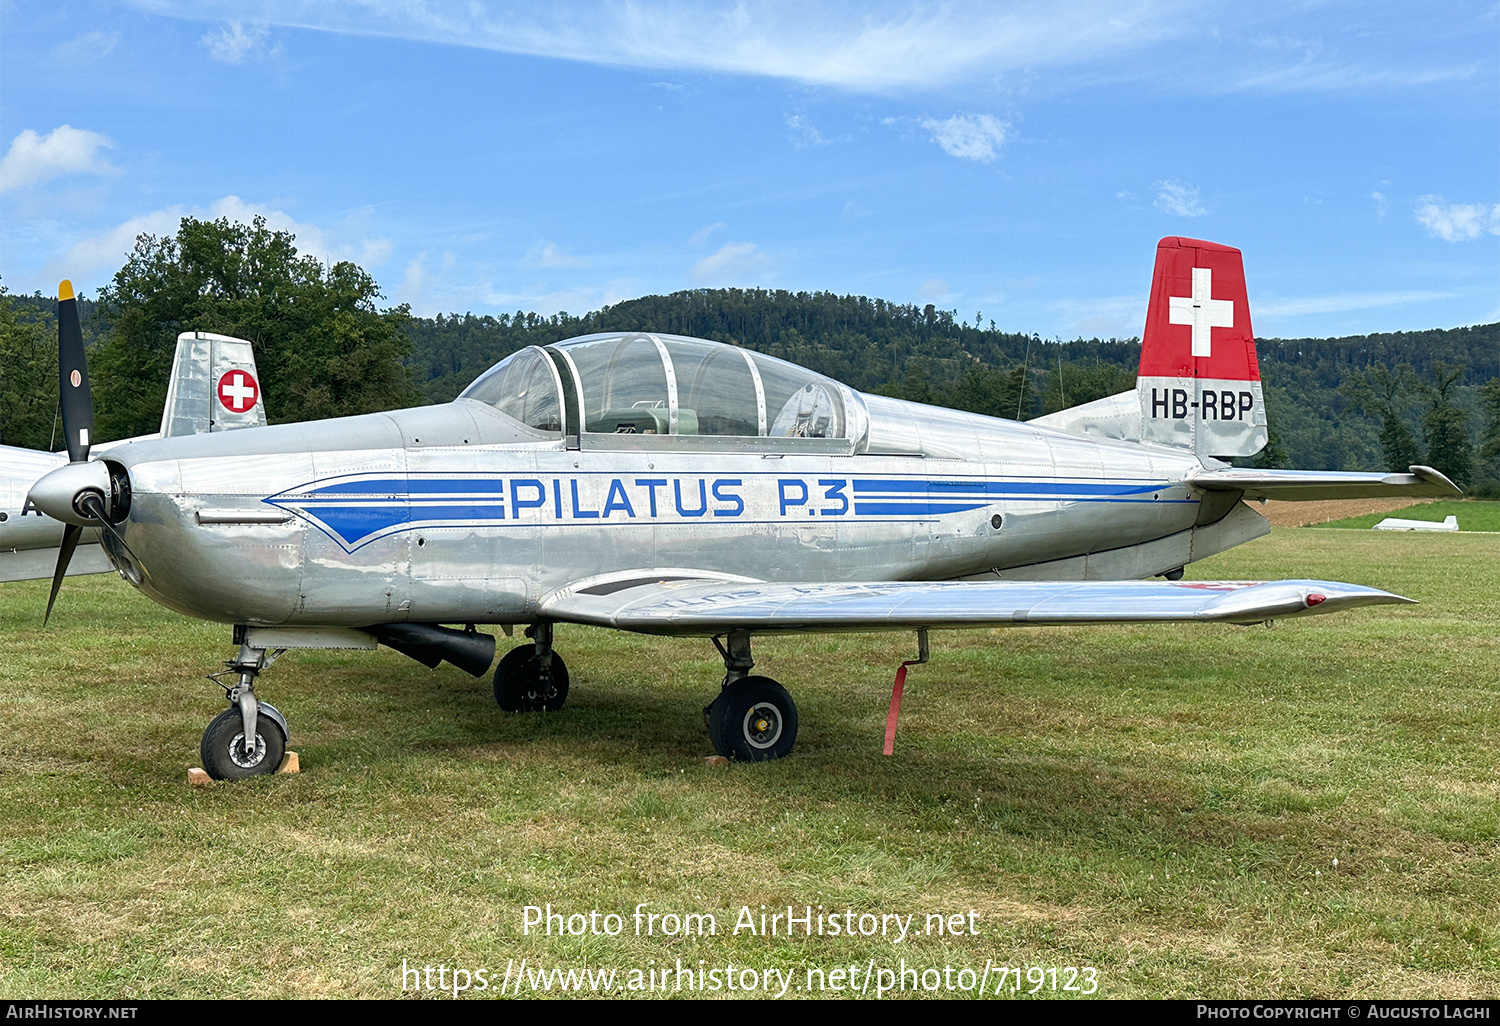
(1199, 382)
(237, 391)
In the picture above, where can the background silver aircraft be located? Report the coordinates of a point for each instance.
(677, 486)
(213, 387)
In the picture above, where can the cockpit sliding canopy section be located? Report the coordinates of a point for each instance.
(648, 391)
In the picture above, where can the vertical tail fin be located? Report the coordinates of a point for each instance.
(213, 386)
(1199, 382)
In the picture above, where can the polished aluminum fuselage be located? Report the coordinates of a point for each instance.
(457, 513)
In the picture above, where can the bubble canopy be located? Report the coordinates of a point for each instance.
(661, 387)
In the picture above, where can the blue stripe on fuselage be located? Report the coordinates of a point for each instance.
(356, 510)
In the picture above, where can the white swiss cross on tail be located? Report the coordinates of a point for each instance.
(1202, 311)
(238, 391)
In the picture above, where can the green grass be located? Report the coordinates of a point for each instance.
(1473, 515)
(1162, 803)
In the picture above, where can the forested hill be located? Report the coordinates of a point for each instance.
(1476, 348)
(932, 355)
(880, 346)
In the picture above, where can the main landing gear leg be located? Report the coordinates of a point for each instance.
(249, 738)
(532, 678)
(753, 719)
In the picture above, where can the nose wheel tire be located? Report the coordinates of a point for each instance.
(520, 685)
(225, 755)
(753, 720)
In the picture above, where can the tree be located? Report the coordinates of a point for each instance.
(1487, 470)
(917, 387)
(992, 392)
(28, 377)
(1446, 427)
(1273, 456)
(1381, 392)
(322, 348)
(1073, 384)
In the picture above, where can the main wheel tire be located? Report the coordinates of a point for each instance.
(753, 720)
(519, 686)
(223, 751)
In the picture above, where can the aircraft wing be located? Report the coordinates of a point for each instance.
(1306, 485)
(691, 606)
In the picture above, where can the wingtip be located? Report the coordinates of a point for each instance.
(64, 291)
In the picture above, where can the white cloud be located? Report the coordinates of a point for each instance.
(879, 46)
(700, 236)
(802, 132)
(732, 264)
(895, 46)
(413, 288)
(1103, 326)
(969, 136)
(575, 301)
(1332, 73)
(932, 288)
(85, 49)
(1102, 317)
(1179, 199)
(1381, 204)
(549, 254)
(1340, 302)
(234, 41)
(65, 150)
(101, 255)
(1457, 222)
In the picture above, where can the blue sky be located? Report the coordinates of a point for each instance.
(1014, 161)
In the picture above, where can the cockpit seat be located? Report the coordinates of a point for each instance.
(643, 419)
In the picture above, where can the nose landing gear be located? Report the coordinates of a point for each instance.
(226, 752)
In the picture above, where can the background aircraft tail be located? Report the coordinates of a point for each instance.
(1198, 386)
(213, 386)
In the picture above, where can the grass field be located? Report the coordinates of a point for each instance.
(1472, 514)
(1309, 810)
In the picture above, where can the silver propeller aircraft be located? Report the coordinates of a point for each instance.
(676, 486)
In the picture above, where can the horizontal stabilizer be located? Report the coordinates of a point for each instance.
(699, 607)
(1306, 485)
(1114, 416)
(39, 564)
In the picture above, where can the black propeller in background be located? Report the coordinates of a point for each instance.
(73, 377)
(77, 401)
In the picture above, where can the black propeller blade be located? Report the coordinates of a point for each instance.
(73, 390)
(64, 556)
(77, 401)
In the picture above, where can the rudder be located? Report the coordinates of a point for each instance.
(1199, 382)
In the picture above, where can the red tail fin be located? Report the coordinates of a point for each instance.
(1199, 382)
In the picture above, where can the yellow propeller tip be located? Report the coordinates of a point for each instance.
(64, 290)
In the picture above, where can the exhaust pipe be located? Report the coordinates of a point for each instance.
(430, 644)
